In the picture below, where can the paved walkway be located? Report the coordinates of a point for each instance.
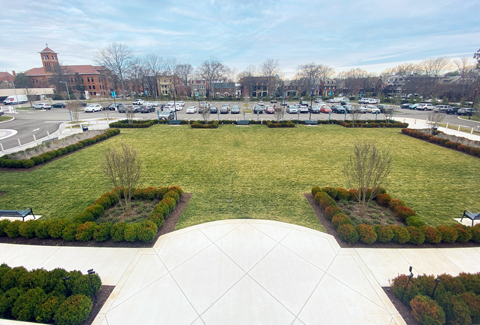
(246, 272)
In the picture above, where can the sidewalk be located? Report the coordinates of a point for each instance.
(246, 271)
(422, 124)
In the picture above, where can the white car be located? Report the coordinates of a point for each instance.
(425, 107)
(181, 103)
(372, 109)
(93, 108)
(191, 110)
(292, 109)
(138, 102)
(42, 106)
(171, 103)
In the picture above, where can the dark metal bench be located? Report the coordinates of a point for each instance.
(311, 122)
(174, 122)
(17, 213)
(470, 215)
(243, 122)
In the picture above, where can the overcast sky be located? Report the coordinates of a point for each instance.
(369, 34)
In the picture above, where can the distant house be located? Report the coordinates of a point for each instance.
(93, 80)
(225, 89)
(198, 87)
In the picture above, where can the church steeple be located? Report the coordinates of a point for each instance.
(49, 59)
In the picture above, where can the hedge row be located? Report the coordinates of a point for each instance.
(372, 124)
(443, 142)
(42, 296)
(83, 227)
(139, 124)
(203, 125)
(415, 232)
(282, 124)
(6, 162)
(456, 300)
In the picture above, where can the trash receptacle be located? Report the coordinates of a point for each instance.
(84, 128)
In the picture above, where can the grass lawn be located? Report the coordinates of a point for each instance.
(5, 118)
(264, 171)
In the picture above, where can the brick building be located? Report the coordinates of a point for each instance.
(198, 87)
(86, 79)
(225, 89)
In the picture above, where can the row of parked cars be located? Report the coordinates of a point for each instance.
(439, 108)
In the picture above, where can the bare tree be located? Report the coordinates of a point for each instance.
(250, 71)
(278, 113)
(388, 112)
(367, 170)
(231, 74)
(154, 66)
(183, 71)
(130, 113)
(206, 114)
(211, 70)
(75, 107)
(434, 119)
(355, 113)
(116, 57)
(124, 170)
(136, 73)
(269, 69)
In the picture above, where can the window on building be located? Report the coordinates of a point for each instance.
(94, 92)
(93, 86)
(93, 80)
(82, 80)
(89, 87)
(88, 79)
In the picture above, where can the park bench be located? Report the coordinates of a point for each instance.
(311, 122)
(17, 213)
(470, 215)
(243, 122)
(174, 122)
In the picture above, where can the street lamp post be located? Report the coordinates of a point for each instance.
(66, 85)
(311, 103)
(90, 272)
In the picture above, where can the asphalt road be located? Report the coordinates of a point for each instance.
(36, 122)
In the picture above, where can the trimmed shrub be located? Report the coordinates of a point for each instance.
(367, 233)
(70, 231)
(315, 190)
(96, 210)
(12, 277)
(456, 311)
(403, 212)
(471, 282)
(327, 202)
(354, 194)
(320, 195)
(161, 192)
(172, 194)
(55, 228)
(44, 311)
(12, 229)
(170, 202)
(343, 194)
(73, 311)
(146, 231)
(451, 284)
(41, 231)
(332, 192)
(427, 311)
(395, 202)
(102, 231)
(473, 303)
(85, 231)
(26, 303)
(449, 234)
(330, 212)
(384, 233)
(464, 233)
(177, 189)
(27, 229)
(118, 231)
(417, 237)
(81, 285)
(414, 221)
(348, 233)
(432, 235)
(475, 233)
(383, 199)
(400, 234)
(8, 299)
(3, 224)
(83, 217)
(157, 218)
(341, 219)
(130, 232)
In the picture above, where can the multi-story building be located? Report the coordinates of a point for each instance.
(259, 86)
(167, 84)
(225, 89)
(198, 87)
(93, 80)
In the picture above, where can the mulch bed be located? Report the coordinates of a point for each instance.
(327, 224)
(168, 226)
(102, 296)
(22, 170)
(404, 310)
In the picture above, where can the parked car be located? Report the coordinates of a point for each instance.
(441, 108)
(191, 110)
(261, 103)
(339, 109)
(465, 111)
(270, 110)
(372, 109)
(292, 109)
(138, 102)
(123, 108)
(166, 115)
(42, 106)
(59, 105)
(213, 110)
(146, 109)
(273, 101)
(413, 106)
(424, 107)
(155, 104)
(224, 109)
(93, 108)
(303, 102)
(257, 109)
(181, 103)
(235, 110)
(326, 109)
(361, 109)
(406, 105)
(304, 109)
(315, 109)
(318, 100)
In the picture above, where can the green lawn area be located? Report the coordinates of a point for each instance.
(264, 171)
(5, 118)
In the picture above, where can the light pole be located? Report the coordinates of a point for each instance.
(66, 85)
(90, 272)
(311, 104)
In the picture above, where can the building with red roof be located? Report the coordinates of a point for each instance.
(96, 80)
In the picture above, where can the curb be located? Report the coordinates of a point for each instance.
(13, 118)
